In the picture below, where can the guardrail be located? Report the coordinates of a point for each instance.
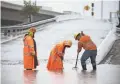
(11, 32)
(16, 30)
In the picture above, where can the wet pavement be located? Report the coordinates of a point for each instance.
(105, 74)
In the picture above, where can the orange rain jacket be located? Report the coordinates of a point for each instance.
(55, 62)
(86, 42)
(30, 61)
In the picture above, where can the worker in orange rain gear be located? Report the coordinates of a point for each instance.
(84, 41)
(55, 62)
(30, 51)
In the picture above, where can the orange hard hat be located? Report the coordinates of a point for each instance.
(68, 43)
(32, 29)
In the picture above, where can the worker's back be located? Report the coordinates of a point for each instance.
(58, 48)
(54, 62)
(87, 43)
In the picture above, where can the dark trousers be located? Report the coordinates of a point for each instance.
(35, 57)
(89, 53)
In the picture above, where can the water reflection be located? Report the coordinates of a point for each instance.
(30, 76)
(87, 77)
(57, 77)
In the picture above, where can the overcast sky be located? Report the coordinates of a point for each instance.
(59, 5)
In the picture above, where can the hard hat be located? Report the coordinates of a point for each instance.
(68, 43)
(75, 36)
(32, 29)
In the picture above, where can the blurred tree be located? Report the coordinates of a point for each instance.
(30, 9)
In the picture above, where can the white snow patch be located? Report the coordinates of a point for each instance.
(106, 45)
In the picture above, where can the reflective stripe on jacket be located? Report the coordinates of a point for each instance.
(86, 42)
(29, 53)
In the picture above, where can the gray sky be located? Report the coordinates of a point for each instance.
(64, 5)
(59, 5)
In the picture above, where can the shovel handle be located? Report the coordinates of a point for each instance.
(76, 60)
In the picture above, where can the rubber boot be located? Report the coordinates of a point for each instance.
(94, 67)
(84, 67)
(28, 69)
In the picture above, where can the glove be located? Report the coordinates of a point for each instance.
(62, 58)
(33, 53)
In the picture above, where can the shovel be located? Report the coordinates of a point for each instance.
(76, 62)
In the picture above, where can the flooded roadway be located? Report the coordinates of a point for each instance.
(12, 71)
(105, 74)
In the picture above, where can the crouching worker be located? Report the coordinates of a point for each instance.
(55, 62)
(84, 41)
(30, 51)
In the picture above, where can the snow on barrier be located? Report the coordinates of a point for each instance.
(106, 45)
